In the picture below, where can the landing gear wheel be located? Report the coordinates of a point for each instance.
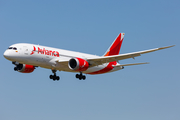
(80, 76)
(83, 77)
(54, 77)
(77, 75)
(51, 76)
(57, 77)
(15, 68)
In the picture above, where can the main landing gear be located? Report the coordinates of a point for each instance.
(80, 76)
(54, 77)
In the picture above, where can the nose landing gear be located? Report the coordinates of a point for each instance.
(18, 66)
(54, 77)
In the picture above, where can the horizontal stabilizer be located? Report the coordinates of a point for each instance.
(131, 64)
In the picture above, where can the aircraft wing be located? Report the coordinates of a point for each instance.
(106, 59)
(63, 61)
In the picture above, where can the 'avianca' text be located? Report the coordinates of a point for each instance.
(45, 52)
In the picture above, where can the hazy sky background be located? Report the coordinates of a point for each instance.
(144, 92)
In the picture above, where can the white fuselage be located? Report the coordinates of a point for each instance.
(47, 57)
(26, 57)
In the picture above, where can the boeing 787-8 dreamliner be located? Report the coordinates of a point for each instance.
(26, 57)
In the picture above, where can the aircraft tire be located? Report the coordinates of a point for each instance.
(57, 78)
(51, 76)
(83, 77)
(15, 68)
(77, 75)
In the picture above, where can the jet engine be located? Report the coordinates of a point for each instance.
(78, 64)
(24, 68)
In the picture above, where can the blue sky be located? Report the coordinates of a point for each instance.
(137, 92)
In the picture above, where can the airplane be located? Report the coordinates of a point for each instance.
(26, 57)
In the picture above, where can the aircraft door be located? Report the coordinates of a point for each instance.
(26, 50)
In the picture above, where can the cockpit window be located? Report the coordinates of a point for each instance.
(14, 48)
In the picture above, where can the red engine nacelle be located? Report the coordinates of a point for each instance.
(78, 64)
(24, 68)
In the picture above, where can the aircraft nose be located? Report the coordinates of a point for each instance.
(6, 54)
